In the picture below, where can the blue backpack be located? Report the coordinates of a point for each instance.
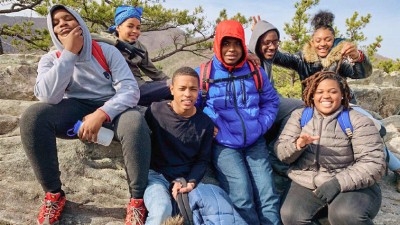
(343, 119)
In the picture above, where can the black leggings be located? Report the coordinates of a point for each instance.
(41, 123)
(301, 206)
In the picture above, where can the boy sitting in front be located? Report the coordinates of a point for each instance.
(181, 148)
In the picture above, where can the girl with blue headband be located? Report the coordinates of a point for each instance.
(126, 31)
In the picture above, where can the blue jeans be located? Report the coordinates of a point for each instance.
(246, 175)
(394, 162)
(157, 199)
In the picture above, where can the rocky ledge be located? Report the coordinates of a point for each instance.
(93, 176)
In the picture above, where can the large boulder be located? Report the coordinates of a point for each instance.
(392, 138)
(18, 75)
(384, 100)
(378, 93)
(8, 123)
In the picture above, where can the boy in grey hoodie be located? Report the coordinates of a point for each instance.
(264, 43)
(71, 86)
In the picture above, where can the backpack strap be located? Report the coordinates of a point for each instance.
(343, 120)
(205, 70)
(183, 204)
(97, 52)
(255, 70)
(345, 124)
(306, 116)
(212, 81)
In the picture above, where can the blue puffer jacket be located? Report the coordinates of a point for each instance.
(238, 110)
(241, 113)
(212, 206)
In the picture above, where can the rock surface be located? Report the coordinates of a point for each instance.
(378, 93)
(93, 176)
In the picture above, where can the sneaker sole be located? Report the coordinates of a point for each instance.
(55, 223)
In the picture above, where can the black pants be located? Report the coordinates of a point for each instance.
(286, 107)
(154, 91)
(41, 123)
(301, 206)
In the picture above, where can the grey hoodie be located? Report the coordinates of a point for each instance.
(81, 76)
(261, 28)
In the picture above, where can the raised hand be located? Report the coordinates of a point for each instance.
(350, 50)
(255, 20)
(72, 41)
(304, 140)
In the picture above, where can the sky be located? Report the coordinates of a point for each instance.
(384, 21)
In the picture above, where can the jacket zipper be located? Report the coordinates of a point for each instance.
(317, 153)
(237, 112)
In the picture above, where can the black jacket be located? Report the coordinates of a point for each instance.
(307, 63)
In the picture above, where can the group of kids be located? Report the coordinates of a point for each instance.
(223, 119)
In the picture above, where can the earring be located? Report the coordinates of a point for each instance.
(342, 97)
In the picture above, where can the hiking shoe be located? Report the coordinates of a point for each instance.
(135, 212)
(51, 209)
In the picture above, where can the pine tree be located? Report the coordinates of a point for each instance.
(354, 33)
(25, 36)
(297, 31)
(99, 15)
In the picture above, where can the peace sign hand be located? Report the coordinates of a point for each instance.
(255, 21)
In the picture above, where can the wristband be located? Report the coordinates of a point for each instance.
(107, 116)
(361, 57)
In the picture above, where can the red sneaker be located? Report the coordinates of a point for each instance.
(51, 209)
(135, 212)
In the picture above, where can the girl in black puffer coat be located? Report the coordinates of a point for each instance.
(324, 52)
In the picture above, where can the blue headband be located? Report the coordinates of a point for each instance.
(125, 12)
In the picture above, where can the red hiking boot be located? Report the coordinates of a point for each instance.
(135, 212)
(51, 209)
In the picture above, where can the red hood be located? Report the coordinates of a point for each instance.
(229, 28)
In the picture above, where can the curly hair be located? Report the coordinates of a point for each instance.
(323, 19)
(312, 82)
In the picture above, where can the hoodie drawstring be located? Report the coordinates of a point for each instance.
(244, 94)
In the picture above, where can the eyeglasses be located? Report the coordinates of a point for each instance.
(269, 43)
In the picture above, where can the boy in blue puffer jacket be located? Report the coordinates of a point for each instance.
(241, 115)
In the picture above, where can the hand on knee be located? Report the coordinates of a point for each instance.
(328, 190)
